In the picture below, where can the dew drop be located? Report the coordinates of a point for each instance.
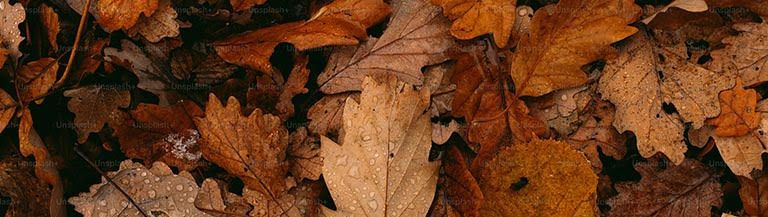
(366, 138)
(341, 161)
(373, 204)
(179, 187)
(152, 193)
(353, 171)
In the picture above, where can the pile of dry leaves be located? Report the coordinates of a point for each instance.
(383, 108)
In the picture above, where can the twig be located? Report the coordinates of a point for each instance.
(79, 34)
(109, 179)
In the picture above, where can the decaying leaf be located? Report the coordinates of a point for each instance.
(304, 155)
(381, 167)
(561, 41)
(251, 147)
(3, 56)
(538, 178)
(343, 22)
(94, 106)
(688, 189)
(27, 193)
(748, 52)
(156, 190)
(417, 36)
(36, 78)
(51, 22)
(201, 67)
(753, 195)
(461, 191)
(738, 116)
(472, 18)
(597, 131)
(10, 35)
(160, 25)
(160, 133)
(643, 79)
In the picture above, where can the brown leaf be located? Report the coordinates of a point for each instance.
(293, 87)
(91, 60)
(758, 6)
(31, 145)
(114, 15)
(753, 195)
(150, 66)
(561, 108)
(743, 154)
(688, 189)
(529, 179)
(748, 52)
(214, 200)
(576, 33)
(738, 116)
(460, 187)
(416, 36)
(160, 25)
(472, 18)
(299, 201)
(242, 5)
(644, 78)
(597, 131)
(36, 78)
(94, 106)
(381, 167)
(202, 68)
(51, 22)
(325, 115)
(251, 147)
(304, 155)
(7, 109)
(343, 22)
(10, 35)
(27, 193)
(156, 190)
(3, 56)
(160, 133)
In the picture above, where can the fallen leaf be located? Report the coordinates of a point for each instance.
(31, 145)
(293, 86)
(36, 78)
(441, 133)
(156, 190)
(688, 189)
(214, 200)
(598, 131)
(538, 178)
(304, 155)
(10, 35)
(758, 6)
(743, 154)
(561, 108)
(748, 52)
(381, 167)
(460, 187)
(325, 115)
(94, 106)
(200, 67)
(149, 66)
(7, 109)
(160, 25)
(343, 22)
(26, 192)
(251, 147)
(472, 18)
(297, 202)
(51, 22)
(160, 133)
(3, 56)
(416, 36)
(576, 33)
(753, 195)
(643, 78)
(242, 5)
(91, 61)
(114, 15)
(738, 116)
(688, 5)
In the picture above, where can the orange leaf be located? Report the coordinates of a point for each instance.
(472, 18)
(738, 114)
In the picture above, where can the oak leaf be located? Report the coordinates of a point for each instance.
(416, 36)
(538, 178)
(304, 155)
(578, 32)
(688, 5)
(36, 78)
(160, 25)
(50, 20)
(643, 78)
(343, 22)
(381, 167)
(156, 190)
(160, 133)
(597, 131)
(114, 15)
(688, 189)
(472, 18)
(32, 145)
(94, 106)
(738, 115)
(252, 147)
(213, 199)
(743, 154)
(200, 67)
(10, 35)
(325, 115)
(747, 52)
(753, 195)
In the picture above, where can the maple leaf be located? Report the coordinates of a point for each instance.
(10, 36)
(537, 179)
(160, 25)
(416, 36)
(50, 20)
(645, 77)
(688, 189)
(251, 147)
(343, 22)
(747, 52)
(94, 106)
(576, 33)
(160, 133)
(156, 190)
(114, 15)
(36, 78)
(753, 195)
(381, 167)
(472, 18)
(738, 116)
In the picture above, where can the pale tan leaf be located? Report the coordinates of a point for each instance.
(160, 25)
(10, 35)
(304, 155)
(381, 167)
(748, 52)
